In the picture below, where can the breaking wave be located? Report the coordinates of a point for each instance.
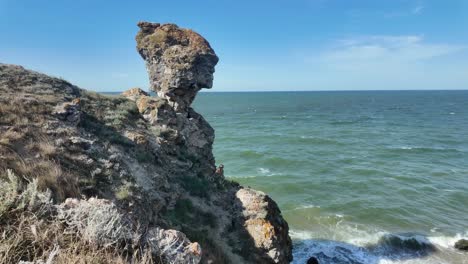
(377, 248)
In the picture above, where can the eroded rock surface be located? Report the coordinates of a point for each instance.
(148, 160)
(180, 62)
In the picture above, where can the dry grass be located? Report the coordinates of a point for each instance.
(29, 152)
(23, 111)
(30, 238)
(30, 231)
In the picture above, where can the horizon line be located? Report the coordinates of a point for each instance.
(282, 91)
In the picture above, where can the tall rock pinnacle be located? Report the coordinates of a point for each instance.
(179, 61)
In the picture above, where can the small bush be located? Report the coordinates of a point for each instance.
(124, 191)
(31, 231)
(185, 213)
(144, 156)
(196, 186)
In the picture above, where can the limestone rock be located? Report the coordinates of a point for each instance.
(179, 61)
(134, 93)
(69, 111)
(147, 160)
(462, 244)
(263, 221)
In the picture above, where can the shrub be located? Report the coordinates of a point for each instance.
(196, 186)
(30, 230)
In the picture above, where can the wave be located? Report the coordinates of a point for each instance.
(376, 248)
(267, 172)
(352, 121)
(306, 206)
(251, 154)
(261, 172)
(422, 149)
(319, 140)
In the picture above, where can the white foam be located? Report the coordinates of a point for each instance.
(266, 172)
(352, 244)
(447, 241)
(306, 206)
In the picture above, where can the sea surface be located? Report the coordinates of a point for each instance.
(365, 177)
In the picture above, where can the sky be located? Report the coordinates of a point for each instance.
(262, 45)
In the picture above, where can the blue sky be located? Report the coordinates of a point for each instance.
(262, 45)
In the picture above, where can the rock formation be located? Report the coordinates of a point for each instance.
(148, 160)
(180, 62)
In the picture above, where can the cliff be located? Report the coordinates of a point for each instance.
(129, 178)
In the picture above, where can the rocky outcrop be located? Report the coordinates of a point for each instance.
(180, 62)
(263, 222)
(147, 160)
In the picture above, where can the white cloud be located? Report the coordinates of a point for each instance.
(371, 51)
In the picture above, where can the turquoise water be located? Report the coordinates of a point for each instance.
(361, 177)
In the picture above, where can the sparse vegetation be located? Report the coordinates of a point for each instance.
(31, 231)
(193, 221)
(197, 186)
(124, 191)
(30, 153)
(143, 156)
(186, 213)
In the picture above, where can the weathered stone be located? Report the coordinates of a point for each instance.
(179, 61)
(263, 221)
(134, 93)
(69, 111)
(141, 164)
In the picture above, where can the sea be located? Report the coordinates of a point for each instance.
(362, 177)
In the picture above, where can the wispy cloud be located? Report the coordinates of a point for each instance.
(370, 51)
(413, 10)
(417, 9)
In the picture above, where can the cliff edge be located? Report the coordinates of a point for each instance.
(129, 178)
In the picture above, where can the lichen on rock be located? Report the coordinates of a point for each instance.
(179, 61)
(136, 171)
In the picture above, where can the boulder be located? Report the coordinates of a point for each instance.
(462, 244)
(134, 93)
(262, 220)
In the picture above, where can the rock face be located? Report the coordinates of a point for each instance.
(147, 160)
(180, 62)
(263, 222)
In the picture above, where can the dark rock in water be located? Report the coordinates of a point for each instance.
(462, 244)
(312, 260)
(410, 243)
(343, 257)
